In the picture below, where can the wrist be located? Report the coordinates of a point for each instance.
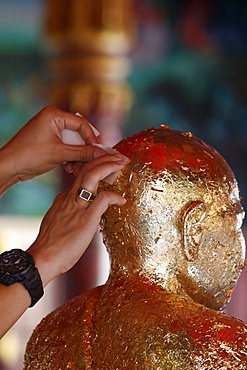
(43, 263)
(18, 266)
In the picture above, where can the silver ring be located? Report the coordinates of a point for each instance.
(85, 195)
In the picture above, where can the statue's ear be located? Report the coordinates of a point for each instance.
(192, 218)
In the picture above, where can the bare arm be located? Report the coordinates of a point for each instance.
(65, 233)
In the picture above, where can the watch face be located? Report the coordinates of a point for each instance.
(14, 261)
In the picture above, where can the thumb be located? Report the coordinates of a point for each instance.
(83, 153)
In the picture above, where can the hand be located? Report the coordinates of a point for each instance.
(37, 147)
(70, 224)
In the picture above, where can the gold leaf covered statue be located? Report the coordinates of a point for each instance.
(176, 250)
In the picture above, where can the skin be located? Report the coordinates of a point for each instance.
(70, 224)
(37, 148)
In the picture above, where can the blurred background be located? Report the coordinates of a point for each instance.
(126, 65)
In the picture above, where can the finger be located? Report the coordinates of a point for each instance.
(86, 190)
(101, 203)
(116, 158)
(91, 178)
(76, 167)
(73, 167)
(68, 166)
(85, 153)
(66, 120)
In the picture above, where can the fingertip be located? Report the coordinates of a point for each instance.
(68, 166)
(98, 153)
(121, 201)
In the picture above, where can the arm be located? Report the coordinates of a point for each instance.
(65, 233)
(37, 147)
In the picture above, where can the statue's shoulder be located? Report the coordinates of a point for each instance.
(142, 326)
(56, 340)
(211, 338)
(70, 314)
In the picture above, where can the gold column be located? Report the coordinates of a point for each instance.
(88, 44)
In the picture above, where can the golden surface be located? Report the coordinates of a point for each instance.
(176, 251)
(88, 44)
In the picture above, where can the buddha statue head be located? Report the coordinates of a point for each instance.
(181, 225)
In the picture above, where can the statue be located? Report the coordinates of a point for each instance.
(176, 250)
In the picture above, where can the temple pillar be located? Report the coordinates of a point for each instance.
(88, 44)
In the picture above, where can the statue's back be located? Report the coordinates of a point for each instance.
(132, 325)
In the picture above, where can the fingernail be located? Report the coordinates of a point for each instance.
(121, 163)
(123, 201)
(98, 153)
(118, 155)
(122, 157)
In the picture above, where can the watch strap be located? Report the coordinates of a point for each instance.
(32, 282)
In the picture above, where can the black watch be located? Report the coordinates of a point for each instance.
(18, 266)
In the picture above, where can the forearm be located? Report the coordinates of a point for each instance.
(15, 299)
(7, 175)
(45, 261)
(65, 232)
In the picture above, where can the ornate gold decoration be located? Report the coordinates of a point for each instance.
(88, 43)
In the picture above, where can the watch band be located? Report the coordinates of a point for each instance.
(32, 282)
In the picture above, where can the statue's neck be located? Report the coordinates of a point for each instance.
(167, 282)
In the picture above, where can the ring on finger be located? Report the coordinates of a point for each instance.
(86, 195)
